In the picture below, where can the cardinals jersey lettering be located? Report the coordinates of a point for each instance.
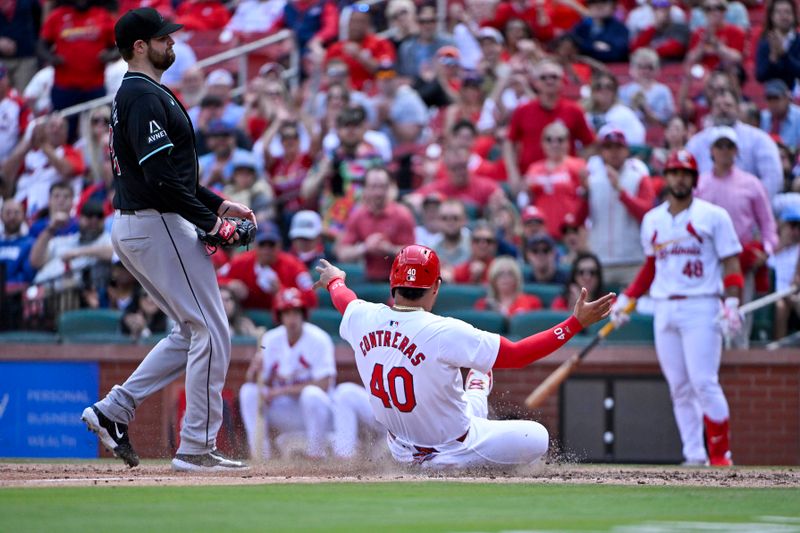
(309, 359)
(410, 363)
(689, 248)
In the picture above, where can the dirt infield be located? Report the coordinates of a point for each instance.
(158, 473)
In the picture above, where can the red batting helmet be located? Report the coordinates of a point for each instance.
(415, 267)
(682, 160)
(288, 299)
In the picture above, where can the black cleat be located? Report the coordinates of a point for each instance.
(113, 435)
(212, 461)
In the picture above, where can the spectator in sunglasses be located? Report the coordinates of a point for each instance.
(586, 272)
(542, 256)
(421, 48)
(718, 43)
(668, 34)
(402, 16)
(605, 108)
(483, 250)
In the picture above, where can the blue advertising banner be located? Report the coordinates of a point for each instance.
(41, 406)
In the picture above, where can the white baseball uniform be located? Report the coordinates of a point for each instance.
(315, 412)
(410, 363)
(688, 250)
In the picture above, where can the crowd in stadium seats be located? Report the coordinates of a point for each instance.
(523, 140)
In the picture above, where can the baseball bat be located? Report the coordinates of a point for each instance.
(764, 301)
(554, 380)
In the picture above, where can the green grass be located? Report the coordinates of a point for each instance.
(425, 506)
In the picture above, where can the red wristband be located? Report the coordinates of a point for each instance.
(733, 280)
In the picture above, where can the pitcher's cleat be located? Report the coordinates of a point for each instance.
(212, 461)
(113, 435)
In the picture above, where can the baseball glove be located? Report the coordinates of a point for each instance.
(221, 239)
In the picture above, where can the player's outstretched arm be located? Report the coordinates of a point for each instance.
(522, 353)
(332, 279)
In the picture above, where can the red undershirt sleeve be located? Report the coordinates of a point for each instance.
(341, 295)
(643, 280)
(522, 353)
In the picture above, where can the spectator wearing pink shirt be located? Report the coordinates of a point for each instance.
(745, 199)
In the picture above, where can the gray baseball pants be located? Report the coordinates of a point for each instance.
(162, 252)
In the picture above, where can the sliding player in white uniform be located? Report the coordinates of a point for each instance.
(692, 255)
(297, 363)
(410, 359)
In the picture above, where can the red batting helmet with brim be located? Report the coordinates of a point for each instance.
(415, 267)
(681, 160)
(289, 298)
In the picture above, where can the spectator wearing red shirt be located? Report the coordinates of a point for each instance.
(719, 42)
(362, 50)
(287, 171)
(667, 37)
(554, 184)
(482, 253)
(537, 14)
(256, 276)
(377, 229)
(457, 181)
(504, 293)
(162, 6)
(14, 116)
(78, 40)
(202, 15)
(524, 143)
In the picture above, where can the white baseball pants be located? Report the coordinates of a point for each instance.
(313, 412)
(689, 347)
(488, 442)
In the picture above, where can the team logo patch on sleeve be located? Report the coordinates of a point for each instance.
(156, 132)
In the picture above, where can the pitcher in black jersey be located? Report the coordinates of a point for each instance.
(159, 202)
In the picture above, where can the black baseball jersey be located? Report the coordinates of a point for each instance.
(153, 153)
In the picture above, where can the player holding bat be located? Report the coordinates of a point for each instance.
(691, 262)
(410, 359)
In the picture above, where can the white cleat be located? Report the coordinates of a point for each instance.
(478, 381)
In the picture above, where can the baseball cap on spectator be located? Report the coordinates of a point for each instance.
(790, 213)
(776, 88)
(487, 32)
(306, 224)
(351, 116)
(569, 223)
(610, 134)
(723, 132)
(386, 69)
(472, 79)
(542, 238)
(244, 160)
(143, 24)
(660, 3)
(448, 55)
(219, 127)
(93, 208)
(268, 232)
(433, 198)
(220, 77)
(531, 213)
